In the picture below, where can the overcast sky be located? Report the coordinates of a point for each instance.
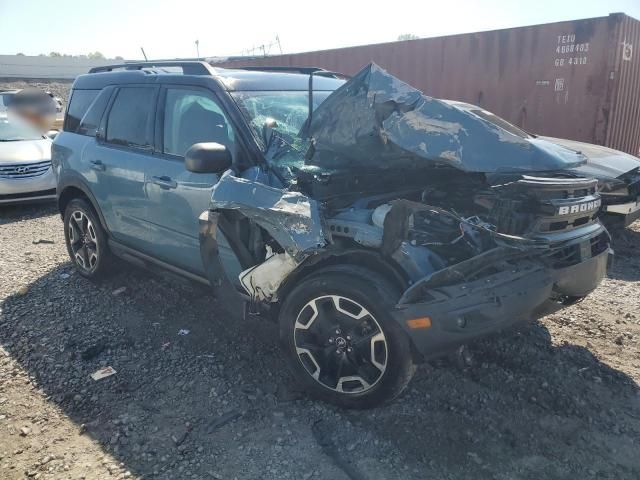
(169, 29)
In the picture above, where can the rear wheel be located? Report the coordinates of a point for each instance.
(341, 341)
(85, 238)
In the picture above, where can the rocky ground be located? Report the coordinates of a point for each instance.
(556, 400)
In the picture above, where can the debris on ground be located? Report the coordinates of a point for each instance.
(103, 373)
(119, 291)
(183, 331)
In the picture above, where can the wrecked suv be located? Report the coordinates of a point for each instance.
(380, 227)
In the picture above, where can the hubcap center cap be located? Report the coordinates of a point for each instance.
(341, 342)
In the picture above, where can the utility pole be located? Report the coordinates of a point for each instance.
(198, 49)
(279, 45)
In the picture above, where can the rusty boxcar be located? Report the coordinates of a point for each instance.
(576, 79)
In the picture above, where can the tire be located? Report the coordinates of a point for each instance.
(86, 239)
(340, 340)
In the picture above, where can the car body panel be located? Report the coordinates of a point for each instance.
(25, 171)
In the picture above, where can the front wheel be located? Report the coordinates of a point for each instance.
(341, 341)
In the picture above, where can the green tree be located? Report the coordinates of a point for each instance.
(96, 55)
(55, 54)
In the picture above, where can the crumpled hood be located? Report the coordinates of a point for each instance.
(26, 151)
(602, 162)
(376, 120)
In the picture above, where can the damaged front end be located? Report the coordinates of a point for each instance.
(466, 220)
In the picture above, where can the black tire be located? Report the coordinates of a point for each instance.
(93, 239)
(350, 288)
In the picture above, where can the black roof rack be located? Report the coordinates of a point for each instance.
(188, 67)
(304, 70)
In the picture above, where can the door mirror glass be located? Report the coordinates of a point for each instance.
(207, 157)
(267, 131)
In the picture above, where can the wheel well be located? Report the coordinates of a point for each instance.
(68, 194)
(366, 259)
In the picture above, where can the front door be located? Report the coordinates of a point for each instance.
(175, 196)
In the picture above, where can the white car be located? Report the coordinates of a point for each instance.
(25, 163)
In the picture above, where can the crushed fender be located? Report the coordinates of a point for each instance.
(291, 218)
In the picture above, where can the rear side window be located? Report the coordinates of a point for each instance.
(130, 119)
(90, 123)
(78, 106)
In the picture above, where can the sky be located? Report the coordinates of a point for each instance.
(169, 29)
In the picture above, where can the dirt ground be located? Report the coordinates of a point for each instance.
(556, 400)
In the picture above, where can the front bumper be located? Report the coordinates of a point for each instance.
(465, 311)
(31, 189)
(630, 211)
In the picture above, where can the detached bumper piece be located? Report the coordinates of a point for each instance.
(630, 211)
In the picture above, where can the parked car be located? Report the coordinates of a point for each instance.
(25, 163)
(378, 226)
(36, 106)
(618, 173)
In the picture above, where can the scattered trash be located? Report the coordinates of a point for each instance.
(103, 373)
(183, 332)
(166, 345)
(24, 431)
(155, 324)
(22, 291)
(43, 240)
(119, 291)
(94, 350)
(64, 276)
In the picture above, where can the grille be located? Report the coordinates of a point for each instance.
(24, 170)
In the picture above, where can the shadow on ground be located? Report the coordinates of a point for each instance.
(220, 398)
(18, 213)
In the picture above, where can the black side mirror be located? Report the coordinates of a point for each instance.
(207, 157)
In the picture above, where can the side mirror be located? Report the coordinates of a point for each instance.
(207, 157)
(52, 134)
(267, 131)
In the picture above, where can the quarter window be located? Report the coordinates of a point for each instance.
(129, 122)
(194, 116)
(78, 106)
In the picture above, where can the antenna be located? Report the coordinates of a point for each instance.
(279, 45)
(144, 54)
(198, 48)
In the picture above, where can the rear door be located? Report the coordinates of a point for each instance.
(122, 153)
(175, 196)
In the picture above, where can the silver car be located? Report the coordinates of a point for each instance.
(25, 163)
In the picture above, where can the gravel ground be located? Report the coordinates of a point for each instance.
(558, 399)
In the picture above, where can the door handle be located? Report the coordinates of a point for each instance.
(97, 165)
(164, 182)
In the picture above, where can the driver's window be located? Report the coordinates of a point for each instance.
(194, 116)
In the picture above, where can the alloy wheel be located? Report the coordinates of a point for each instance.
(340, 344)
(83, 240)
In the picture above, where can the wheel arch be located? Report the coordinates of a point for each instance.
(360, 258)
(74, 188)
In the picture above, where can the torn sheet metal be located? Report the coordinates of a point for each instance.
(262, 281)
(376, 120)
(291, 218)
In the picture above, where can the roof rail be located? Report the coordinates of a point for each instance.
(188, 68)
(304, 70)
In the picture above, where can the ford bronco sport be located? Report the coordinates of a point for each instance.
(379, 226)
